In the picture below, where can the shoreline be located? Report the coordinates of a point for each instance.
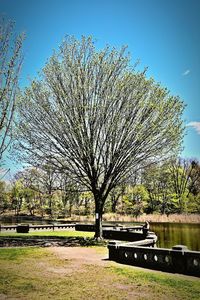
(152, 218)
(111, 217)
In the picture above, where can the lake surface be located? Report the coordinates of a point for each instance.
(169, 234)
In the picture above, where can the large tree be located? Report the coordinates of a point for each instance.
(10, 64)
(92, 114)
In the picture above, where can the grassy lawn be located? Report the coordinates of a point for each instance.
(63, 233)
(38, 273)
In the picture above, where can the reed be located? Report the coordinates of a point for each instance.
(157, 218)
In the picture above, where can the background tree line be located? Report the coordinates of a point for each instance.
(164, 188)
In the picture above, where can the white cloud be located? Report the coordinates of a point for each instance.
(195, 125)
(186, 73)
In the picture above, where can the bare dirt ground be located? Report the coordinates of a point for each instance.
(78, 257)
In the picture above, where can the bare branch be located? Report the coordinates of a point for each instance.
(10, 65)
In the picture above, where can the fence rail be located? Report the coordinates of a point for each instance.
(177, 260)
(25, 228)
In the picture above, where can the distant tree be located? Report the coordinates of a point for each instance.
(10, 64)
(135, 198)
(95, 116)
(47, 181)
(115, 195)
(181, 172)
(17, 196)
(34, 190)
(157, 180)
(69, 192)
(87, 198)
(49, 177)
(31, 200)
(3, 197)
(194, 183)
(194, 203)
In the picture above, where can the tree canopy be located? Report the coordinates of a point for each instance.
(92, 114)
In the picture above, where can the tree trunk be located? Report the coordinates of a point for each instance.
(114, 204)
(113, 208)
(98, 220)
(70, 208)
(50, 204)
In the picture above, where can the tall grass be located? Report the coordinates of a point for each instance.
(113, 217)
(173, 218)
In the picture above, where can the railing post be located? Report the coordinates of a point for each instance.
(113, 250)
(178, 258)
(22, 228)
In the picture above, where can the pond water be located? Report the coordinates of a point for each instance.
(169, 234)
(13, 220)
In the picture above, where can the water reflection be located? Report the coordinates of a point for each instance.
(171, 234)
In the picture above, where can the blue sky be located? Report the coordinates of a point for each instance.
(164, 35)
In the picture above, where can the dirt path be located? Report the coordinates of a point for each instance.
(81, 255)
(77, 259)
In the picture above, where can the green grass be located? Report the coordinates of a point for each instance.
(60, 233)
(184, 287)
(37, 273)
(10, 254)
